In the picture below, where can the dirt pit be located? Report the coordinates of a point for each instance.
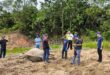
(18, 65)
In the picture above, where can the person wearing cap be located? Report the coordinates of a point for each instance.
(69, 37)
(77, 49)
(37, 41)
(99, 46)
(46, 48)
(65, 48)
(3, 43)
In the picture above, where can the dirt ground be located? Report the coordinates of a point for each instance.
(17, 65)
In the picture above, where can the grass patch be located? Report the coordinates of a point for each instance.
(93, 44)
(90, 45)
(17, 50)
(22, 50)
(106, 45)
(55, 46)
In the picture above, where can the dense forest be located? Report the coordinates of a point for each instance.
(55, 17)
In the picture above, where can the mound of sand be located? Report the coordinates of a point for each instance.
(18, 40)
(18, 65)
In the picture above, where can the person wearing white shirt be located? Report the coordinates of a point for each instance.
(69, 37)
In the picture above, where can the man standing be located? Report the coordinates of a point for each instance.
(37, 41)
(65, 49)
(46, 48)
(77, 50)
(99, 46)
(69, 37)
(3, 42)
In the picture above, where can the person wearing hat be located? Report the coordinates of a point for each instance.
(46, 48)
(3, 43)
(69, 37)
(99, 46)
(77, 49)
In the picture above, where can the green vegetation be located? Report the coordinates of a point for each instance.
(93, 44)
(106, 45)
(55, 17)
(86, 45)
(56, 46)
(17, 50)
(89, 44)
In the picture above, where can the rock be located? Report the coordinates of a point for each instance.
(34, 55)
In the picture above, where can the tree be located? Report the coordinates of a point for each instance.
(55, 16)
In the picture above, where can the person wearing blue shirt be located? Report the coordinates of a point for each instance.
(77, 49)
(37, 41)
(65, 48)
(99, 46)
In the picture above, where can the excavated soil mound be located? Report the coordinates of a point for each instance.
(18, 40)
(18, 65)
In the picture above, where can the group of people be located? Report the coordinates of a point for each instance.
(70, 41)
(45, 45)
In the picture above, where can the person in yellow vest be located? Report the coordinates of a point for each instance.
(69, 37)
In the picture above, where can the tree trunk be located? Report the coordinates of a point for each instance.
(70, 25)
(62, 20)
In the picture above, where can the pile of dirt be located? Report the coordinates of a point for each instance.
(18, 65)
(18, 40)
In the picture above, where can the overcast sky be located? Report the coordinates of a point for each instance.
(39, 5)
(90, 1)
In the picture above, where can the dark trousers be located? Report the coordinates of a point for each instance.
(46, 55)
(70, 44)
(3, 53)
(99, 51)
(64, 54)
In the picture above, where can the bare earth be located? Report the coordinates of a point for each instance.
(17, 65)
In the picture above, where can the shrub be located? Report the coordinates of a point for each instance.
(91, 34)
(107, 35)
